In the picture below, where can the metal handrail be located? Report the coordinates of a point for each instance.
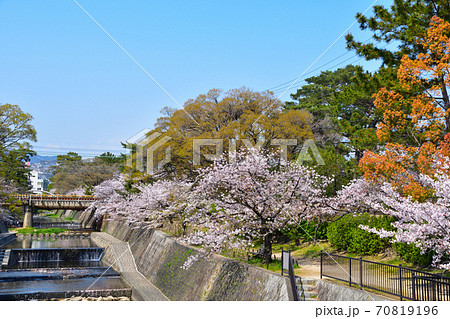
(394, 280)
(56, 197)
(290, 268)
(430, 288)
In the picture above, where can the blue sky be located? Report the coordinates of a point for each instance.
(87, 95)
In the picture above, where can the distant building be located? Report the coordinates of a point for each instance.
(38, 183)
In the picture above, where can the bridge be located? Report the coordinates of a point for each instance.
(31, 203)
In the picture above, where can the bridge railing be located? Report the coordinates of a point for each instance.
(55, 197)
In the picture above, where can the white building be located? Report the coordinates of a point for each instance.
(38, 183)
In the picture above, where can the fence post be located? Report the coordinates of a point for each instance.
(282, 254)
(400, 277)
(413, 277)
(433, 285)
(321, 264)
(360, 273)
(350, 272)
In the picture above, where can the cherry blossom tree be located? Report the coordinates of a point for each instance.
(230, 204)
(425, 224)
(79, 191)
(110, 196)
(150, 205)
(156, 203)
(250, 198)
(7, 212)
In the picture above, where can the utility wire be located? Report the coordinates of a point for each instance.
(336, 65)
(133, 59)
(320, 67)
(318, 58)
(324, 52)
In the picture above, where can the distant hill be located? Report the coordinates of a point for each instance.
(42, 158)
(43, 165)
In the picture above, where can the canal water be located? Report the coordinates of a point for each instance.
(57, 266)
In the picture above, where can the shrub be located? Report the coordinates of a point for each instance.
(410, 253)
(306, 231)
(345, 234)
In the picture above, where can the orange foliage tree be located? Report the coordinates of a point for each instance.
(416, 117)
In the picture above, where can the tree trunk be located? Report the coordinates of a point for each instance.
(266, 249)
(315, 233)
(446, 100)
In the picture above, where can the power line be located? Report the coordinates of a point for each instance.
(133, 59)
(320, 67)
(336, 65)
(324, 52)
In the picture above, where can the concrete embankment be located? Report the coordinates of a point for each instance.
(118, 255)
(151, 262)
(3, 228)
(5, 237)
(160, 259)
(329, 291)
(86, 217)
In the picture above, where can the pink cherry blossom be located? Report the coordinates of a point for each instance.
(424, 224)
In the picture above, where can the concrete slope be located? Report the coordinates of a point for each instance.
(118, 256)
(161, 259)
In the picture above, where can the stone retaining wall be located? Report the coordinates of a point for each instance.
(329, 291)
(118, 255)
(6, 238)
(160, 259)
(3, 228)
(86, 217)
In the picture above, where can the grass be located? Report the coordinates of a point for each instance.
(52, 215)
(311, 250)
(55, 215)
(275, 265)
(32, 230)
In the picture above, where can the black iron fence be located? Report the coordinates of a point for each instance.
(287, 267)
(430, 288)
(406, 283)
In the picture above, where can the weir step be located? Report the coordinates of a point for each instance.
(9, 275)
(47, 289)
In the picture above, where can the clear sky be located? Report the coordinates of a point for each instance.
(87, 95)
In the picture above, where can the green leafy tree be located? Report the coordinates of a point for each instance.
(344, 99)
(403, 23)
(239, 115)
(72, 172)
(67, 159)
(110, 158)
(15, 127)
(16, 132)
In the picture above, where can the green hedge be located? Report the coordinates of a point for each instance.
(410, 253)
(306, 231)
(345, 234)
